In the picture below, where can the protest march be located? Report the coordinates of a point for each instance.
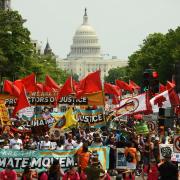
(88, 130)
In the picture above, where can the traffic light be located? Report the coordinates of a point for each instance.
(146, 80)
(155, 82)
(150, 81)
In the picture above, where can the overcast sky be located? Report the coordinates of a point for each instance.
(121, 25)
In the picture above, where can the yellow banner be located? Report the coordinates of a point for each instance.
(4, 115)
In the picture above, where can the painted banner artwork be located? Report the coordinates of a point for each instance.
(91, 117)
(167, 149)
(4, 117)
(41, 159)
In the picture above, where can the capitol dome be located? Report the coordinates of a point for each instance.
(85, 41)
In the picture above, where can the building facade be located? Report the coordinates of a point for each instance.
(85, 53)
(5, 4)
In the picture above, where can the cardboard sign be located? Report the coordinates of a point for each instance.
(176, 144)
(150, 117)
(121, 162)
(152, 126)
(168, 149)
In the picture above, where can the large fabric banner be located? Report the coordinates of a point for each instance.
(41, 159)
(90, 117)
(4, 117)
(132, 105)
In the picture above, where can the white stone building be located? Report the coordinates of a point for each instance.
(85, 54)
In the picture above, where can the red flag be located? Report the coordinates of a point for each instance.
(39, 87)
(47, 88)
(115, 100)
(133, 85)
(66, 89)
(18, 83)
(170, 85)
(7, 86)
(124, 85)
(51, 83)
(90, 84)
(162, 88)
(29, 82)
(22, 102)
(112, 89)
(165, 99)
(11, 88)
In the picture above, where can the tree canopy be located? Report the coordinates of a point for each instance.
(18, 56)
(162, 51)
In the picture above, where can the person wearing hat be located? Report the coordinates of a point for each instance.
(16, 142)
(168, 170)
(94, 169)
(8, 173)
(46, 144)
(156, 149)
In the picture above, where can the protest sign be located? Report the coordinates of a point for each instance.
(168, 149)
(90, 117)
(150, 117)
(4, 117)
(176, 145)
(121, 162)
(45, 98)
(152, 126)
(41, 159)
(141, 128)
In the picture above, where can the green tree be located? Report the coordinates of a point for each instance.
(159, 50)
(15, 44)
(117, 73)
(18, 56)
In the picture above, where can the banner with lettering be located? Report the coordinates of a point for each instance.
(90, 117)
(41, 159)
(167, 149)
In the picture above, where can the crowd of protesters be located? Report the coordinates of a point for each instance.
(141, 151)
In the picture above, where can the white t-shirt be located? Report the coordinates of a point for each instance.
(15, 144)
(70, 145)
(45, 145)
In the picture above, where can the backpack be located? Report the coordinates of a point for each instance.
(129, 157)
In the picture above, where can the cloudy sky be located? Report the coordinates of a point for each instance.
(121, 25)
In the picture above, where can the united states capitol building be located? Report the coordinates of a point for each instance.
(85, 53)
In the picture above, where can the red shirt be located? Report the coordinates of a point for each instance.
(153, 173)
(8, 175)
(68, 176)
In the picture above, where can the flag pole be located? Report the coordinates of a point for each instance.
(103, 96)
